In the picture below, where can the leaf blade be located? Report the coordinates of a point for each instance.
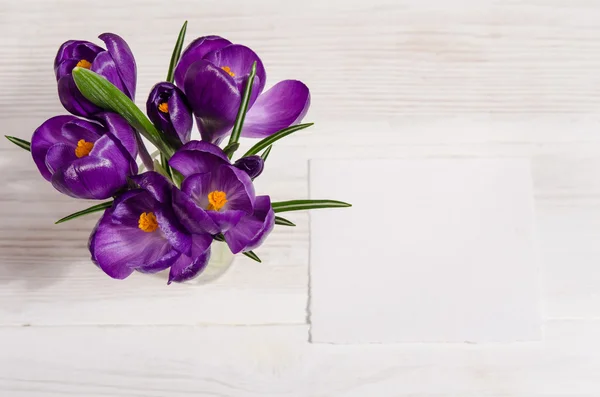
(283, 222)
(23, 144)
(232, 146)
(253, 256)
(266, 153)
(301, 205)
(265, 142)
(176, 53)
(90, 210)
(104, 94)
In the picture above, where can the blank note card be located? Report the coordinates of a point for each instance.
(433, 250)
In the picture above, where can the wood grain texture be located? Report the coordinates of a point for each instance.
(388, 78)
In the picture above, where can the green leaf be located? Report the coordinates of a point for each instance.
(105, 95)
(253, 256)
(91, 210)
(266, 153)
(283, 222)
(159, 168)
(23, 144)
(268, 141)
(241, 115)
(176, 53)
(299, 205)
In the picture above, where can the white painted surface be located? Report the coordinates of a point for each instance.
(389, 78)
(433, 250)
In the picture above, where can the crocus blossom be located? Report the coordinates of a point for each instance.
(116, 64)
(212, 72)
(168, 109)
(140, 232)
(85, 159)
(252, 165)
(217, 197)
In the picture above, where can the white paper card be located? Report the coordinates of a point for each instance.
(433, 250)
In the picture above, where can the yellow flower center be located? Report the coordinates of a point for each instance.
(163, 107)
(84, 63)
(216, 200)
(228, 70)
(83, 148)
(147, 222)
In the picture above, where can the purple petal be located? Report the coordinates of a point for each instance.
(186, 268)
(226, 219)
(251, 165)
(239, 60)
(252, 230)
(118, 249)
(90, 178)
(45, 136)
(178, 121)
(191, 216)
(120, 128)
(58, 156)
(161, 264)
(198, 157)
(213, 97)
(195, 51)
(105, 66)
(172, 230)
(109, 147)
(65, 68)
(73, 100)
(155, 184)
(124, 60)
(74, 50)
(283, 105)
(197, 186)
(128, 207)
(238, 187)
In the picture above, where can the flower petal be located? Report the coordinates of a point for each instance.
(186, 268)
(104, 65)
(59, 155)
(214, 99)
(109, 147)
(90, 178)
(251, 165)
(239, 60)
(172, 230)
(128, 207)
(195, 51)
(238, 187)
(191, 216)
(252, 230)
(283, 105)
(118, 249)
(161, 264)
(124, 60)
(198, 157)
(177, 121)
(44, 137)
(73, 100)
(120, 128)
(74, 50)
(180, 114)
(155, 184)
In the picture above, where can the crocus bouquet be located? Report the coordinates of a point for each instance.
(191, 192)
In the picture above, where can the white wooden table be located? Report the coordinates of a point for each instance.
(388, 78)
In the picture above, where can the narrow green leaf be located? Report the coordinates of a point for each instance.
(299, 205)
(105, 95)
(95, 208)
(159, 168)
(176, 53)
(268, 141)
(219, 237)
(266, 153)
(253, 256)
(283, 222)
(241, 115)
(23, 144)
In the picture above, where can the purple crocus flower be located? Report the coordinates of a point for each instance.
(140, 232)
(212, 72)
(85, 159)
(252, 165)
(217, 197)
(168, 109)
(116, 64)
